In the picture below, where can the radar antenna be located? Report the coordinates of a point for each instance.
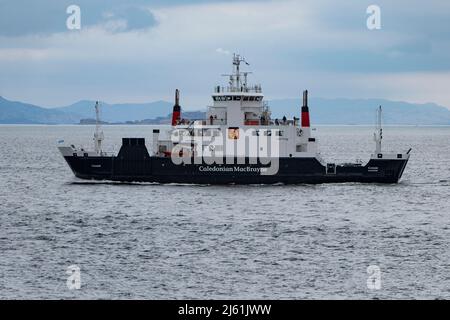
(238, 79)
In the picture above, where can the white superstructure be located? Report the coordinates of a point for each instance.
(239, 112)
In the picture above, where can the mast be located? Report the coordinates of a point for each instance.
(378, 136)
(237, 62)
(98, 135)
(236, 82)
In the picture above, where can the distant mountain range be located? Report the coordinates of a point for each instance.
(363, 111)
(323, 111)
(119, 112)
(24, 113)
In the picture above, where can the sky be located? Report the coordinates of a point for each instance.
(140, 51)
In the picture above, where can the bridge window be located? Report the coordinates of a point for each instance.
(221, 98)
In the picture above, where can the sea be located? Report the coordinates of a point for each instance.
(64, 238)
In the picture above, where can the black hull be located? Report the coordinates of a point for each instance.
(144, 168)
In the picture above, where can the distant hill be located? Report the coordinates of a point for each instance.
(323, 111)
(24, 113)
(362, 111)
(190, 115)
(120, 112)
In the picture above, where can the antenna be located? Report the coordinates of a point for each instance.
(98, 135)
(378, 136)
(245, 78)
(235, 81)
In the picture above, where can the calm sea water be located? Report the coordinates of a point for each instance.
(176, 241)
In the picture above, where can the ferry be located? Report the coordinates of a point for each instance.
(238, 142)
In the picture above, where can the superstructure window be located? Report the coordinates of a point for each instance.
(222, 98)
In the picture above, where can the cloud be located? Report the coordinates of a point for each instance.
(414, 87)
(141, 52)
(135, 18)
(46, 17)
(223, 51)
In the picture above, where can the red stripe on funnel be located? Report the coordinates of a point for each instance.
(305, 119)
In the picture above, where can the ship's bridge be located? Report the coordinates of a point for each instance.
(238, 103)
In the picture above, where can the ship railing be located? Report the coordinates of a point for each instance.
(281, 122)
(191, 122)
(250, 122)
(215, 121)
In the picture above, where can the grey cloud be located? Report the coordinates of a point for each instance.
(21, 18)
(137, 18)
